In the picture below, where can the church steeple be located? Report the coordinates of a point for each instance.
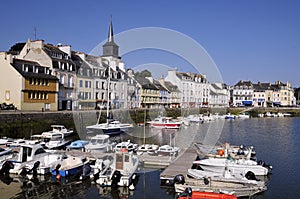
(110, 48)
(110, 32)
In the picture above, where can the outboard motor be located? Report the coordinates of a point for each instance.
(86, 170)
(206, 181)
(262, 163)
(134, 180)
(241, 150)
(251, 176)
(34, 168)
(115, 179)
(179, 179)
(57, 175)
(6, 167)
(187, 192)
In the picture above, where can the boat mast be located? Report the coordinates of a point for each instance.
(108, 99)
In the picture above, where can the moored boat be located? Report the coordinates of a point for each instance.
(100, 142)
(69, 166)
(29, 154)
(56, 128)
(77, 145)
(128, 145)
(121, 171)
(147, 148)
(167, 150)
(190, 194)
(238, 166)
(57, 141)
(164, 122)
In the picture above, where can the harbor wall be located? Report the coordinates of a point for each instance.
(18, 124)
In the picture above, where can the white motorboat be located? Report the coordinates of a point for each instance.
(243, 116)
(57, 141)
(17, 143)
(226, 181)
(226, 178)
(147, 148)
(30, 154)
(100, 142)
(195, 118)
(5, 154)
(241, 187)
(225, 151)
(237, 166)
(260, 115)
(167, 150)
(164, 122)
(110, 127)
(121, 171)
(58, 129)
(129, 146)
(6, 140)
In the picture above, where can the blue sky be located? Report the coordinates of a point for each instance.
(256, 40)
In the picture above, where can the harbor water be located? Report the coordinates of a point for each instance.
(275, 140)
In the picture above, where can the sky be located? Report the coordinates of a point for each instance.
(257, 40)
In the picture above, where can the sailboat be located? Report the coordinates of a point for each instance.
(111, 126)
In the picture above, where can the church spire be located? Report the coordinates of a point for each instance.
(111, 31)
(110, 48)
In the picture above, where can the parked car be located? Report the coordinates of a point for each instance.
(5, 106)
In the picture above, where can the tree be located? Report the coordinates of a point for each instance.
(144, 73)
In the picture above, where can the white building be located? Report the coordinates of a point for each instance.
(219, 95)
(194, 88)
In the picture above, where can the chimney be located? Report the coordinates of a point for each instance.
(65, 49)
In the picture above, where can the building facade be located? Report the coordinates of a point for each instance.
(27, 84)
(194, 88)
(58, 59)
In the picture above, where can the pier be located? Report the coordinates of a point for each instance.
(179, 166)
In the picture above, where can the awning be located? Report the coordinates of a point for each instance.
(248, 102)
(276, 103)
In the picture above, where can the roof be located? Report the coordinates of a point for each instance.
(171, 87)
(244, 83)
(16, 48)
(158, 85)
(261, 87)
(145, 83)
(18, 65)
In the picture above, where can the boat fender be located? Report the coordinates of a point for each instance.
(251, 176)
(6, 167)
(206, 181)
(179, 179)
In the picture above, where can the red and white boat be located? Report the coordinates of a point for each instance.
(164, 122)
(189, 194)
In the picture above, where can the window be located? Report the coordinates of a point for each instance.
(39, 151)
(7, 95)
(80, 83)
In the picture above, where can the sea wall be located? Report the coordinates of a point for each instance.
(17, 124)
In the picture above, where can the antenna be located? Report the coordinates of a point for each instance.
(34, 33)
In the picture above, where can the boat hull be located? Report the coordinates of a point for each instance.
(218, 166)
(67, 172)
